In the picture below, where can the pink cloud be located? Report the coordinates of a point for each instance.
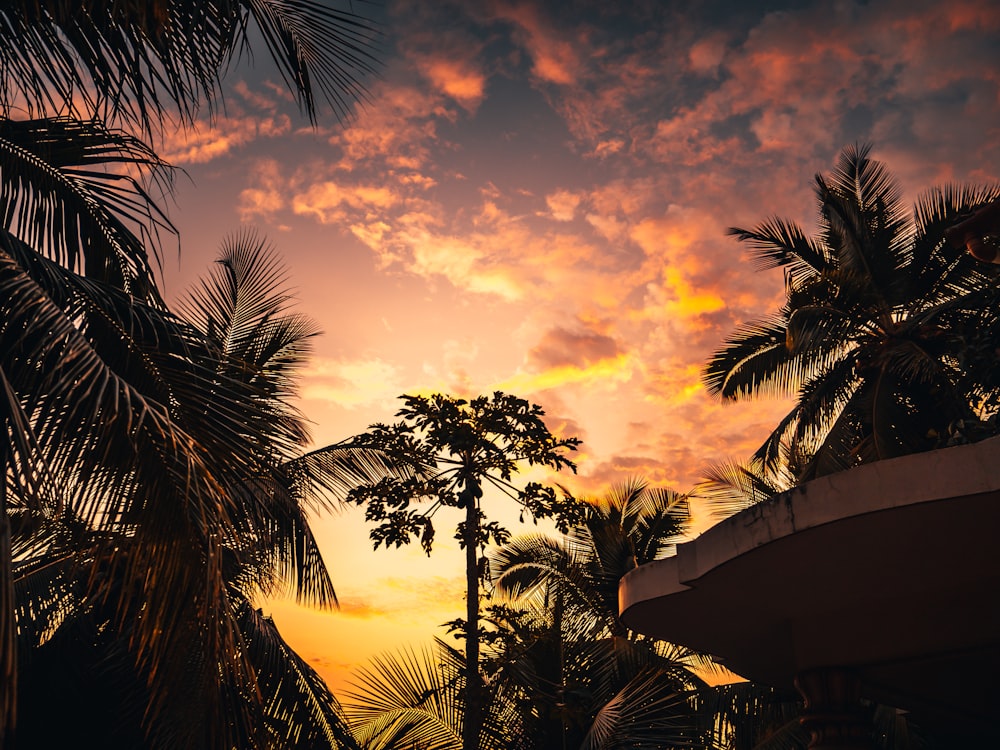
(555, 58)
(207, 142)
(455, 78)
(563, 204)
(266, 197)
(559, 347)
(395, 131)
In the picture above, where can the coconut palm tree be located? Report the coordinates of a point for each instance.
(93, 368)
(143, 62)
(584, 680)
(86, 562)
(90, 362)
(876, 330)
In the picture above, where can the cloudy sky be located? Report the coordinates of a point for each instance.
(535, 200)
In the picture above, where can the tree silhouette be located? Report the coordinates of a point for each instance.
(462, 447)
(87, 348)
(89, 579)
(882, 325)
(581, 679)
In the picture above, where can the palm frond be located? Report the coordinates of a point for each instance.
(663, 520)
(311, 42)
(747, 715)
(646, 713)
(410, 699)
(115, 61)
(731, 486)
(755, 359)
(299, 708)
(322, 478)
(67, 190)
(777, 243)
(535, 569)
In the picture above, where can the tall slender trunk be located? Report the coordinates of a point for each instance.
(474, 701)
(557, 620)
(8, 625)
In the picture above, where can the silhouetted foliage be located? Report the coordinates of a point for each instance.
(888, 337)
(111, 413)
(579, 677)
(461, 447)
(150, 567)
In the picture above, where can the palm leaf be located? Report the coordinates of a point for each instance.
(312, 42)
(754, 359)
(114, 61)
(60, 195)
(777, 243)
(646, 713)
(409, 699)
(731, 486)
(299, 708)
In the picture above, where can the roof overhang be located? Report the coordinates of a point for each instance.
(892, 569)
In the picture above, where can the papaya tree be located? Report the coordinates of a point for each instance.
(463, 447)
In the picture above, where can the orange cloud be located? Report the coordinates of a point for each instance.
(332, 202)
(455, 78)
(617, 369)
(207, 142)
(555, 59)
(267, 196)
(394, 131)
(562, 204)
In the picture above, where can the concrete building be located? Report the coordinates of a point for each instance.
(881, 582)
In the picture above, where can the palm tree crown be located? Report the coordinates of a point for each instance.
(577, 675)
(874, 339)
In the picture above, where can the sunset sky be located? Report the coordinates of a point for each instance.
(535, 200)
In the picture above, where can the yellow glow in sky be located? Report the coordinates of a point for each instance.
(535, 198)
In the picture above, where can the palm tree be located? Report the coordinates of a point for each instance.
(90, 362)
(143, 63)
(83, 570)
(584, 680)
(877, 328)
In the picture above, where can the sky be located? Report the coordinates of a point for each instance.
(535, 199)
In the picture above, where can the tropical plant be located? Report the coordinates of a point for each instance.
(90, 362)
(417, 700)
(583, 680)
(463, 446)
(728, 487)
(146, 62)
(882, 325)
(86, 573)
(748, 716)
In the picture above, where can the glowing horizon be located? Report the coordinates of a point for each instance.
(535, 200)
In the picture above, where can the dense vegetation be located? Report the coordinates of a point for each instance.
(156, 472)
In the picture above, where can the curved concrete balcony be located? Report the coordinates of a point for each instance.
(890, 571)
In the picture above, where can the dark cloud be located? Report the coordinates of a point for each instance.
(560, 347)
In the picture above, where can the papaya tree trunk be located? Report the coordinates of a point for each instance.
(474, 699)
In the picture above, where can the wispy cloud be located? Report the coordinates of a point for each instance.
(353, 383)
